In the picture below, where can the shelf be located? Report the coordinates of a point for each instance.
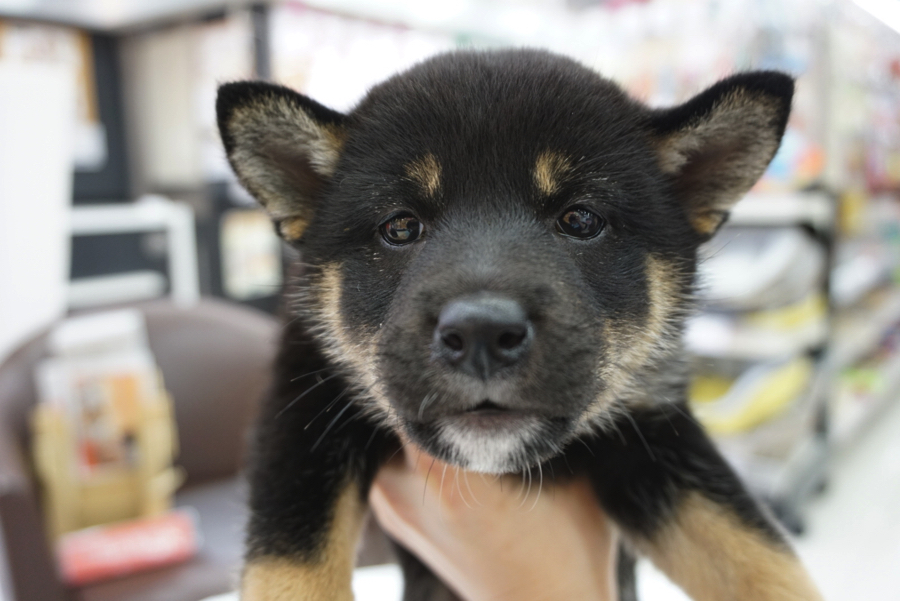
(798, 208)
(849, 421)
(148, 214)
(714, 336)
(116, 288)
(857, 334)
(116, 16)
(788, 481)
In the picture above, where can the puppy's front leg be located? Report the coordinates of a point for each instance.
(323, 571)
(313, 460)
(679, 503)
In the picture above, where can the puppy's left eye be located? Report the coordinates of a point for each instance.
(578, 222)
(401, 229)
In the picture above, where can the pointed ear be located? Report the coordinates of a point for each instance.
(716, 145)
(283, 147)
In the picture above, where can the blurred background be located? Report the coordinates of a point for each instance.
(123, 234)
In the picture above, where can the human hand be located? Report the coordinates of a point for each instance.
(487, 538)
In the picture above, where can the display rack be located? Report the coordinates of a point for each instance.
(785, 482)
(857, 332)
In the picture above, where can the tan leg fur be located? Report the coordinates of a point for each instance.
(326, 578)
(713, 557)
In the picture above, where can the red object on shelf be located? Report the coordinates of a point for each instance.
(104, 552)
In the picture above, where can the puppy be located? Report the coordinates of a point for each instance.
(498, 253)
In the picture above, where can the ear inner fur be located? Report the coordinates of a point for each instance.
(718, 144)
(282, 146)
(709, 553)
(326, 575)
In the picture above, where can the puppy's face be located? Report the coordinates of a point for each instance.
(501, 245)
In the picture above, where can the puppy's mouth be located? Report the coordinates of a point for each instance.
(489, 437)
(487, 406)
(486, 417)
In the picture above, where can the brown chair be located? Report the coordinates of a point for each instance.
(215, 359)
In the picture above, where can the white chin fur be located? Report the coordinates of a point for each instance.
(490, 451)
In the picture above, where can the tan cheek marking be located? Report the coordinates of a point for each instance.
(327, 577)
(663, 292)
(549, 169)
(356, 353)
(426, 172)
(632, 346)
(713, 557)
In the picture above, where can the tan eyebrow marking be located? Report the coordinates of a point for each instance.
(426, 172)
(549, 169)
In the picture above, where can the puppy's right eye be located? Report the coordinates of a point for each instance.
(578, 222)
(401, 229)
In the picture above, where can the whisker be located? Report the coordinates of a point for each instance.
(681, 411)
(568, 465)
(328, 407)
(429, 398)
(461, 495)
(371, 438)
(469, 486)
(394, 454)
(427, 474)
(615, 425)
(309, 374)
(540, 488)
(590, 450)
(334, 421)
(304, 393)
(671, 425)
(525, 496)
(641, 436)
(441, 489)
(440, 504)
(553, 479)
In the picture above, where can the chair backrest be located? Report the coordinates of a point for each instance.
(215, 358)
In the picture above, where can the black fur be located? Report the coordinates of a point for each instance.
(768, 83)
(294, 482)
(598, 395)
(656, 456)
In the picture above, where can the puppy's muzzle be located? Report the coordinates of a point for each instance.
(481, 335)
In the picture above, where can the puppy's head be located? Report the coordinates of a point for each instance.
(501, 245)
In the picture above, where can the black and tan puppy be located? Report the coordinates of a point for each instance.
(499, 251)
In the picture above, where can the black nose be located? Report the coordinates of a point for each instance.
(482, 334)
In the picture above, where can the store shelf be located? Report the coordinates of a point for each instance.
(116, 16)
(786, 483)
(148, 214)
(857, 334)
(116, 288)
(711, 336)
(798, 208)
(851, 418)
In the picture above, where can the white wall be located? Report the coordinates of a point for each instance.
(37, 113)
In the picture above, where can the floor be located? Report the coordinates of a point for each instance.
(851, 545)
